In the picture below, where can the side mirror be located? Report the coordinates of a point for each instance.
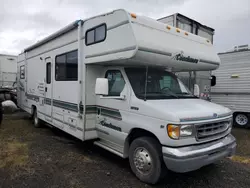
(196, 90)
(101, 86)
(213, 80)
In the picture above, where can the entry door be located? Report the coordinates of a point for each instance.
(111, 111)
(48, 89)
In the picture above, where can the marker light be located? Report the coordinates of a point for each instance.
(133, 15)
(173, 131)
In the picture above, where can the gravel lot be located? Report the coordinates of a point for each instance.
(47, 157)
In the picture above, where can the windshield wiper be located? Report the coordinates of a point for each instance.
(184, 93)
(171, 93)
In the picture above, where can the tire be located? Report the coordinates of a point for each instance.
(36, 121)
(241, 120)
(148, 166)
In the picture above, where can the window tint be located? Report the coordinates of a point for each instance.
(100, 33)
(116, 82)
(48, 73)
(22, 72)
(96, 34)
(67, 67)
(91, 37)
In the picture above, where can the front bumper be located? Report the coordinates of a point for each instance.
(189, 158)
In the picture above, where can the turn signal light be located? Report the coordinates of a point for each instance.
(173, 131)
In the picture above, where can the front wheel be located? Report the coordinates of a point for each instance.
(241, 120)
(145, 158)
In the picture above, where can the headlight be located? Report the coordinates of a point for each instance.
(186, 130)
(178, 131)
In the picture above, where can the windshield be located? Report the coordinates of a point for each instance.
(160, 84)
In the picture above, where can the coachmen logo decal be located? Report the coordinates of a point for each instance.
(181, 57)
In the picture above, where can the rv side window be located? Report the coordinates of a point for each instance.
(96, 34)
(66, 68)
(48, 73)
(22, 72)
(116, 82)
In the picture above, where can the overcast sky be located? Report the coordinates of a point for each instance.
(23, 22)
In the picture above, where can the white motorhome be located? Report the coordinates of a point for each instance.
(108, 78)
(8, 70)
(233, 88)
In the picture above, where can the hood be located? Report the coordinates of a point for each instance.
(188, 110)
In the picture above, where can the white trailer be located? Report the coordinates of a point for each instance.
(202, 78)
(8, 70)
(233, 83)
(108, 78)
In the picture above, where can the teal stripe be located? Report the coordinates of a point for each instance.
(65, 105)
(204, 118)
(90, 109)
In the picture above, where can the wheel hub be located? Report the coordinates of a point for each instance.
(241, 119)
(142, 160)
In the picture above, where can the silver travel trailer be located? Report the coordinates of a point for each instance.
(8, 70)
(233, 83)
(108, 79)
(203, 78)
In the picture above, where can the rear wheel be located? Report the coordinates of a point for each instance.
(241, 119)
(36, 120)
(145, 158)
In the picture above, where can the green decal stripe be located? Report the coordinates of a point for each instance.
(90, 109)
(47, 101)
(111, 113)
(111, 116)
(204, 118)
(65, 105)
(32, 97)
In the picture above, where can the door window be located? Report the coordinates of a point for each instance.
(48, 73)
(115, 81)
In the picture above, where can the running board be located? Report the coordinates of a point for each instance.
(106, 147)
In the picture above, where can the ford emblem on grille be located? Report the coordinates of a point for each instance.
(215, 115)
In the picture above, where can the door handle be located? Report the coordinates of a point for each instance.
(46, 89)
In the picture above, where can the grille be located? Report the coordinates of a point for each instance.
(212, 130)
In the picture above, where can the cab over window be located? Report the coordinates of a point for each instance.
(116, 82)
(96, 34)
(67, 66)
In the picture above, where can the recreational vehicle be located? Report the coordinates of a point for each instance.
(203, 78)
(109, 79)
(233, 83)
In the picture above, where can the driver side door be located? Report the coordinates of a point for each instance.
(110, 111)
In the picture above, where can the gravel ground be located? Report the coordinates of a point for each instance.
(47, 157)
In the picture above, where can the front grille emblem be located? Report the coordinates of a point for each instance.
(215, 115)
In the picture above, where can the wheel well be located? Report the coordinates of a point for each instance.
(239, 112)
(136, 133)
